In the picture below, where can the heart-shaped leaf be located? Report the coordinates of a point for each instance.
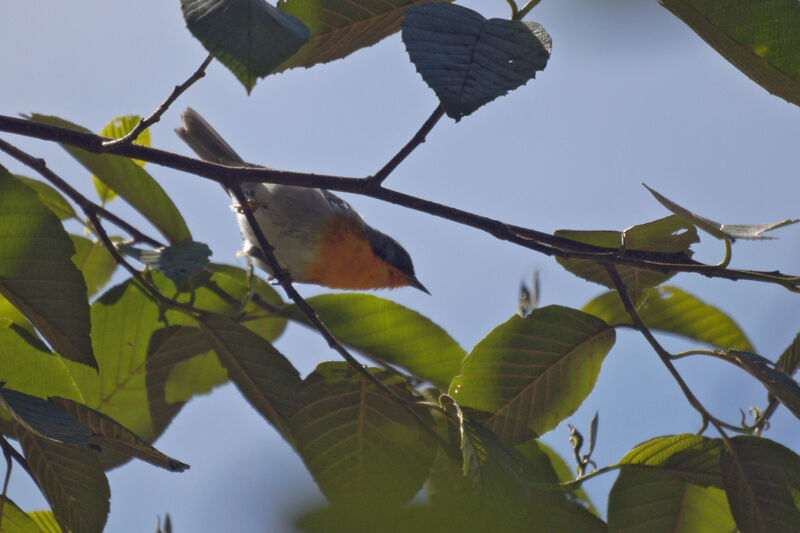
(469, 60)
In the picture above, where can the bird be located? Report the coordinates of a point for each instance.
(317, 236)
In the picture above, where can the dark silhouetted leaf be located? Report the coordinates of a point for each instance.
(776, 381)
(131, 182)
(72, 481)
(361, 446)
(721, 231)
(652, 501)
(250, 37)
(672, 310)
(530, 373)
(109, 433)
(94, 261)
(264, 376)
(789, 361)
(36, 272)
(761, 477)
(667, 235)
(469, 61)
(178, 262)
(389, 332)
(44, 419)
(760, 38)
(340, 27)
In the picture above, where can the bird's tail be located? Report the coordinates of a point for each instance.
(205, 141)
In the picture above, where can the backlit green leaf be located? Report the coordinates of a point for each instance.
(389, 332)
(50, 197)
(15, 520)
(94, 261)
(117, 128)
(37, 275)
(530, 373)
(690, 457)
(131, 182)
(672, 310)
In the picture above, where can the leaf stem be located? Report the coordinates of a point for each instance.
(514, 9)
(525, 10)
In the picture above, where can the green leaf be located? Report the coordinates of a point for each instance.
(108, 433)
(250, 37)
(131, 182)
(72, 481)
(15, 520)
(389, 332)
(354, 438)
(666, 235)
(721, 231)
(689, 457)
(118, 128)
(50, 196)
(340, 27)
(530, 373)
(651, 501)
(94, 261)
(789, 361)
(672, 310)
(759, 38)
(36, 273)
(263, 375)
(777, 382)
(760, 476)
(178, 262)
(469, 61)
(46, 521)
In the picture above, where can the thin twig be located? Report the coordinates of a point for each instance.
(155, 116)
(514, 9)
(526, 9)
(21, 461)
(284, 279)
(416, 140)
(664, 355)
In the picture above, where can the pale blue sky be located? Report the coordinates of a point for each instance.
(630, 95)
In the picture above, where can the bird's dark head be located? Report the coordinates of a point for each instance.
(390, 251)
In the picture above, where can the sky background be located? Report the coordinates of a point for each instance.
(630, 95)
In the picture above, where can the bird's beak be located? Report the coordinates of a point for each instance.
(414, 282)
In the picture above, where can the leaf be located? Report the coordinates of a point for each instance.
(721, 231)
(15, 520)
(388, 332)
(789, 361)
(178, 262)
(36, 273)
(760, 476)
(759, 38)
(72, 481)
(107, 432)
(250, 37)
(530, 373)
(469, 61)
(44, 419)
(340, 27)
(776, 381)
(692, 458)
(49, 196)
(131, 182)
(666, 235)
(116, 129)
(46, 521)
(263, 375)
(651, 501)
(94, 261)
(672, 310)
(354, 437)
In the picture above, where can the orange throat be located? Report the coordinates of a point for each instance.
(345, 260)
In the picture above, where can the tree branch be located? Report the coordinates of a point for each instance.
(155, 116)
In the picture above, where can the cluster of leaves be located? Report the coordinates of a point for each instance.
(89, 380)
